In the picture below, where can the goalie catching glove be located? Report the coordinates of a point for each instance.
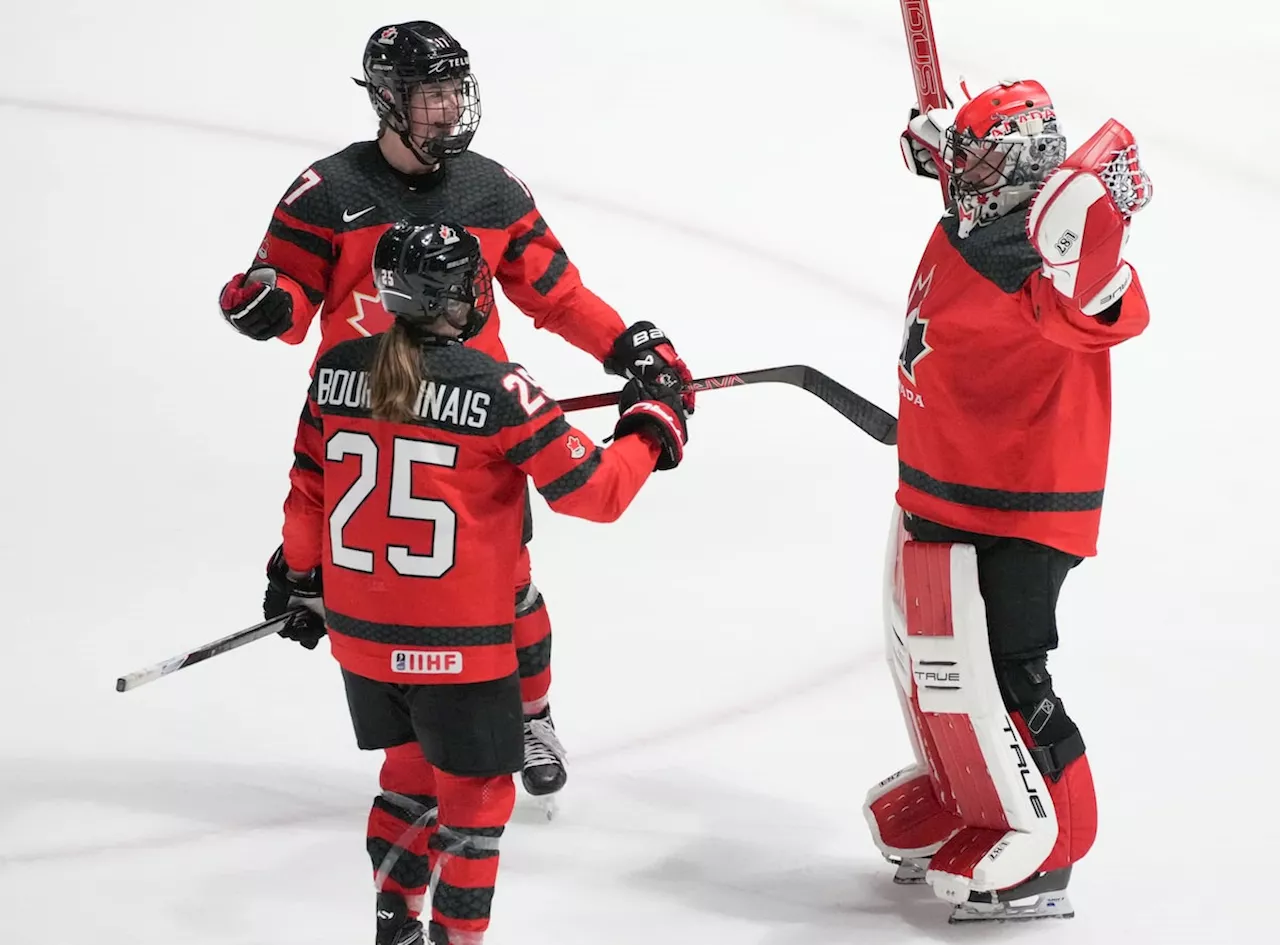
(1079, 219)
(288, 589)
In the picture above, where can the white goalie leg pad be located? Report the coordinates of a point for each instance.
(908, 813)
(1009, 826)
(906, 818)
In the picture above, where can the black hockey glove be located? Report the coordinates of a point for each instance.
(255, 306)
(661, 419)
(285, 592)
(644, 353)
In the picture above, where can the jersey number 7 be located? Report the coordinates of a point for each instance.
(403, 504)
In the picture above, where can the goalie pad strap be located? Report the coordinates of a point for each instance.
(1052, 760)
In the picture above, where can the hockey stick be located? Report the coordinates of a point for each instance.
(151, 673)
(923, 49)
(866, 416)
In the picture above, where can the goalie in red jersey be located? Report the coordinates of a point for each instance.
(1002, 456)
(316, 258)
(402, 528)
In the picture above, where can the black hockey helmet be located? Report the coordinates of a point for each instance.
(425, 272)
(400, 59)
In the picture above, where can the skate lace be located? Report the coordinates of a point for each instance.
(541, 745)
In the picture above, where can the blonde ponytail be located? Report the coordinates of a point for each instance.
(396, 376)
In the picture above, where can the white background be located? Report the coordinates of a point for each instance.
(731, 172)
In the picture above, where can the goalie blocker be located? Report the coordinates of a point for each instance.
(1000, 800)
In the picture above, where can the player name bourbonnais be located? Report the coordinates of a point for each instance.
(442, 403)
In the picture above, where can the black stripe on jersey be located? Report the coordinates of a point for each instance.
(459, 902)
(555, 269)
(311, 418)
(306, 463)
(317, 246)
(999, 252)
(573, 480)
(396, 634)
(1000, 499)
(525, 450)
(518, 245)
(314, 295)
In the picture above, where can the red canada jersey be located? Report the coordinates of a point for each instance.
(325, 227)
(417, 525)
(1005, 420)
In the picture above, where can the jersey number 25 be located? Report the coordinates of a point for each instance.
(403, 505)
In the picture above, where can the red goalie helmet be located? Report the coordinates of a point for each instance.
(1004, 136)
(995, 112)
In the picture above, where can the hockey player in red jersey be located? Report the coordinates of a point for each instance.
(1002, 453)
(316, 254)
(402, 528)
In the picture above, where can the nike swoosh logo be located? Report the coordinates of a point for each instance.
(348, 216)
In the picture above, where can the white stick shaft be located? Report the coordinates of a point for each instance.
(233, 641)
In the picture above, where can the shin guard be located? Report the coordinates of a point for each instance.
(464, 852)
(401, 824)
(532, 639)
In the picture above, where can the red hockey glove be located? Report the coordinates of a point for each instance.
(661, 419)
(644, 353)
(1079, 219)
(255, 306)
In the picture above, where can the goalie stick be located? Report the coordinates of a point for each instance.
(923, 49)
(877, 423)
(238, 639)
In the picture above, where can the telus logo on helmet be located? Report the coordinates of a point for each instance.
(442, 65)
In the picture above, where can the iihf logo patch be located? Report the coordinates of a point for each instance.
(388, 36)
(427, 662)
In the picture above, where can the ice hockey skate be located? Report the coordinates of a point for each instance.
(910, 869)
(544, 771)
(394, 925)
(1043, 896)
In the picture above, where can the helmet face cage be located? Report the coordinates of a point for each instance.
(435, 118)
(980, 165)
(419, 82)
